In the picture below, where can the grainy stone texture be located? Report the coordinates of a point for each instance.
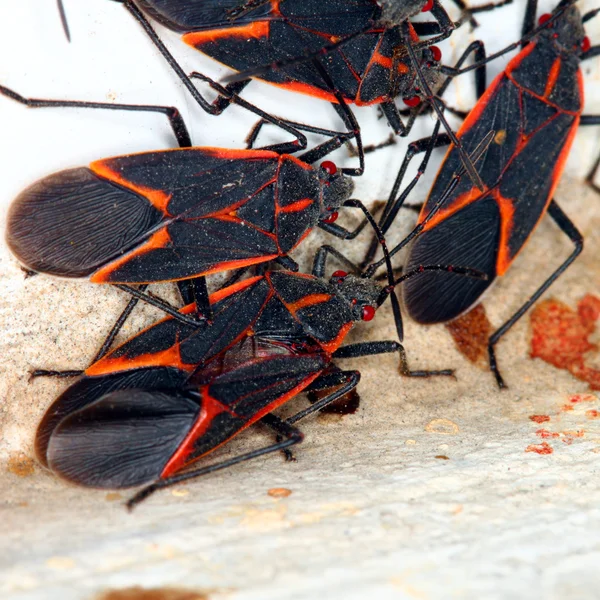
(431, 490)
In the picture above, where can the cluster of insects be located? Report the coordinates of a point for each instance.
(143, 413)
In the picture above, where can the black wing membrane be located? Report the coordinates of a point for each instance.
(89, 389)
(122, 440)
(65, 224)
(468, 238)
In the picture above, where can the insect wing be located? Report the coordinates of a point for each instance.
(123, 439)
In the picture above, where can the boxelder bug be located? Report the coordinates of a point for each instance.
(371, 60)
(173, 215)
(172, 394)
(535, 107)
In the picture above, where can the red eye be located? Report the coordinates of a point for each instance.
(412, 101)
(339, 274)
(368, 312)
(332, 218)
(544, 18)
(428, 6)
(586, 44)
(436, 52)
(329, 167)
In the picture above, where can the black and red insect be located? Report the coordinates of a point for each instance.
(363, 52)
(534, 107)
(173, 393)
(173, 214)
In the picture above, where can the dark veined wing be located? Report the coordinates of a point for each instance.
(89, 389)
(122, 440)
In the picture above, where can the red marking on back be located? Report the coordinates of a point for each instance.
(543, 448)
(255, 30)
(297, 206)
(457, 204)
(539, 418)
(158, 198)
(552, 77)
(173, 465)
(560, 336)
(209, 409)
(299, 163)
(592, 414)
(476, 112)
(233, 154)
(507, 211)
(310, 90)
(309, 300)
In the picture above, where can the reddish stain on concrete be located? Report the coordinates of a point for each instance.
(592, 414)
(544, 433)
(543, 448)
(560, 336)
(577, 398)
(471, 333)
(539, 418)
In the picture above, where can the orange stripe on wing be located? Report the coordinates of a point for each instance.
(209, 409)
(171, 357)
(233, 154)
(158, 198)
(160, 239)
(255, 30)
(507, 211)
(232, 289)
(178, 463)
(457, 204)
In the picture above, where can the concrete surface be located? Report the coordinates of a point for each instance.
(431, 490)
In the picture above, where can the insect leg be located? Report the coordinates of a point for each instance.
(290, 434)
(386, 347)
(171, 112)
(568, 227)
